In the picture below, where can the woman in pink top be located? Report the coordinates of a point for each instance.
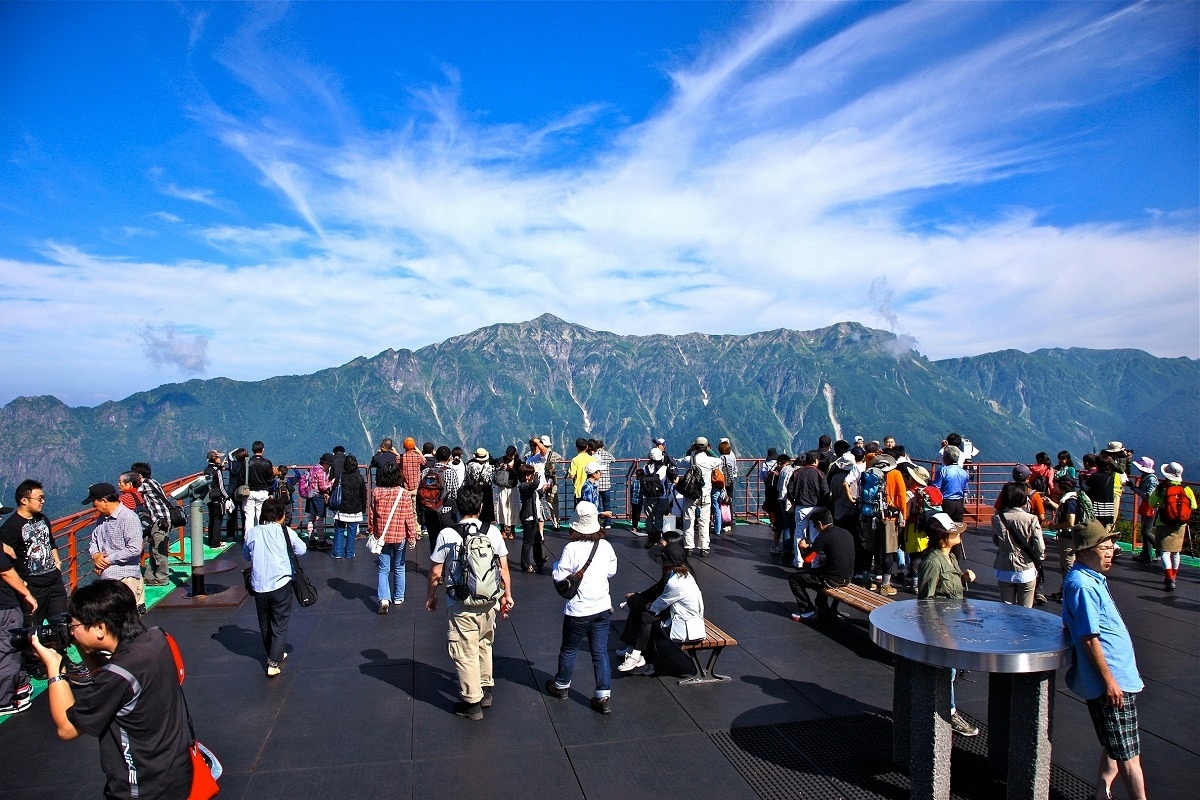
(392, 516)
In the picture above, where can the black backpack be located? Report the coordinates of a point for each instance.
(691, 485)
(652, 487)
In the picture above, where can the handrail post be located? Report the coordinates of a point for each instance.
(196, 520)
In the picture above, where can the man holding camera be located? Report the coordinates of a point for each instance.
(134, 705)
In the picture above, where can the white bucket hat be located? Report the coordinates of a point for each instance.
(1173, 471)
(585, 519)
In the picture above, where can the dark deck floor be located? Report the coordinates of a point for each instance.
(363, 706)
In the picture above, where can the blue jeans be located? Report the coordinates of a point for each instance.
(716, 511)
(574, 629)
(391, 572)
(344, 534)
(605, 499)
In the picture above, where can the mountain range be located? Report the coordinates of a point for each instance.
(501, 384)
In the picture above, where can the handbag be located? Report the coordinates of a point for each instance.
(178, 518)
(335, 496)
(375, 543)
(302, 587)
(246, 579)
(206, 769)
(690, 629)
(726, 514)
(568, 587)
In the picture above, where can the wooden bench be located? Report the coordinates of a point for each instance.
(715, 640)
(856, 596)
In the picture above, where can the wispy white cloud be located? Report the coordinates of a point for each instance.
(205, 196)
(770, 190)
(167, 217)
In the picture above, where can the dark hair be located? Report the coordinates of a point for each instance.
(470, 501)
(1042, 458)
(427, 448)
(872, 447)
(581, 444)
(442, 454)
(898, 451)
(1013, 495)
(25, 488)
(1089, 459)
(239, 454)
(808, 458)
(510, 451)
(110, 602)
(337, 451)
(257, 447)
(385, 443)
(272, 510)
(1067, 455)
(525, 471)
(822, 515)
(937, 534)
(841, 447)
(387, 476)
(1105, 463)
(783, 458)
(954, 439)
(141, 468)
(350, 464)
(824, 441)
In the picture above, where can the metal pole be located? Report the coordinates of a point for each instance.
(197, 528)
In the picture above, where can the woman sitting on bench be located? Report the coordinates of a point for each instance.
(674, 602)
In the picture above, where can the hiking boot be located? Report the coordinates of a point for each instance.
(469, 710)
(887, 590)
(384, 605)
(486, 702)
(960, 725)
(632, 661)
(554, 691)
(601, 705)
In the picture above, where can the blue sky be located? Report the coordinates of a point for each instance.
(202, 190)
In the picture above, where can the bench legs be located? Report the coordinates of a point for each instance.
(705, 674)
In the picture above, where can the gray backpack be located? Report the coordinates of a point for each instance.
(475, 581)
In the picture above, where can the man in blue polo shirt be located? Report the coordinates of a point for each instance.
(1105, 672)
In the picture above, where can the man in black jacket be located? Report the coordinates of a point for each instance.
(260, 474)
(807, 489)
(829, 562)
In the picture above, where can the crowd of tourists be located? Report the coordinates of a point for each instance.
(839, 513)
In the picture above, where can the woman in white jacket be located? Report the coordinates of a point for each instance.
(679, 610)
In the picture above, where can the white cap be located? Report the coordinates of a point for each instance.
(591, 467)
(656, 454)
(545, 440)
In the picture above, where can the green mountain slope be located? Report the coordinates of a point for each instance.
(501, 384)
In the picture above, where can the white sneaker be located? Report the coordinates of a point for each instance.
(632, 662)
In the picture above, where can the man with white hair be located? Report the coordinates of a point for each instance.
(701, 508)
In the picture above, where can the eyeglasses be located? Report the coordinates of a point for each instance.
(73, 626)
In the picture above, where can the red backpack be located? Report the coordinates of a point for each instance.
(1176, 507)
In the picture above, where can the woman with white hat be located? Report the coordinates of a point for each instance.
(589, 561)
(1176, 505)
(1143, 483)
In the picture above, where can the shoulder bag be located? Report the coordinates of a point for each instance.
(568, 587)
(375, 543)
(206, 769)
(302, 587)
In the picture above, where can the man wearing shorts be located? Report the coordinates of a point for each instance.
(1105, 672)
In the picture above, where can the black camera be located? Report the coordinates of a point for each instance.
(55, 634)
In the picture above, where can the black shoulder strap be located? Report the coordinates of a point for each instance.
(1016, 537)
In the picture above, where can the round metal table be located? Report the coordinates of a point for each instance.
(1019, 647)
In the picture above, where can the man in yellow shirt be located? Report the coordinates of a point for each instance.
(578, 469)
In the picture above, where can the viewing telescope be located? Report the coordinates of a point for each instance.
(197, 489)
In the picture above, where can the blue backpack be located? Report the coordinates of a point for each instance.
(871, 502)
